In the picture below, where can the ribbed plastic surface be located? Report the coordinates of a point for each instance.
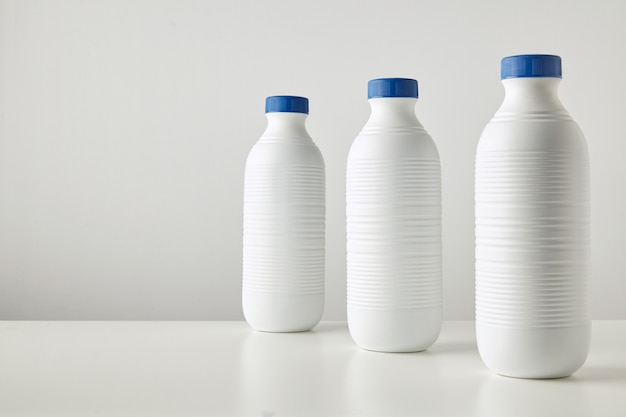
(284, 230)
(394, 233)
(532, 237)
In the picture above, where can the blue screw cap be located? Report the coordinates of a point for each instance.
(290, 104)
(518, 66)
(392, 87)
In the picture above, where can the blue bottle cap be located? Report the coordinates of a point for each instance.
(290, 104)
(518, 66)
(392, 87)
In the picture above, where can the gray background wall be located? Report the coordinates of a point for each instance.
(125, 125)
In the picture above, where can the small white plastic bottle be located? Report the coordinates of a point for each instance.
(393, 213)
(532, 228)
(284, 223)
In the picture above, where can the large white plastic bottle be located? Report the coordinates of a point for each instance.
(284, 223)
(393, 213)
(532, 228)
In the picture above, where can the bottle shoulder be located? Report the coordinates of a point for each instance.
(392, 144)
(371, 129)
(532, 134)
(285, 152)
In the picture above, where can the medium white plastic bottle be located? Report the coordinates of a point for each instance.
(284, 223)
(532, 228)
(393, 213)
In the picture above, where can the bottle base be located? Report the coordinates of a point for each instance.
(533, 353)
(409, 330)
(282, 314)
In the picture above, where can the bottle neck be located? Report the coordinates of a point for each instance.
(285, 126)
(534, 96)
(396, 113)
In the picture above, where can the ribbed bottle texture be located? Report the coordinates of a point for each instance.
(284, 223)
(532, 229)
(532, 237)
(284, 242)
(394, 234)
(393, 214)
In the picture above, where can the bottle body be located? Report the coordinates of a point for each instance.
(284, 228)
(393, 214)
(532, 235)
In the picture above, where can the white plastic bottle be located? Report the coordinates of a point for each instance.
(532, 228)
(393, 212)
(284, 223)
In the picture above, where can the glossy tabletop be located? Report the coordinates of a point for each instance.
(228, 369)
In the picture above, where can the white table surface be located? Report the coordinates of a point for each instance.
(227, 369)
